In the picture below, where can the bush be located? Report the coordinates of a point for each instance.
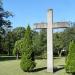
(70, 60)
(27, 64)
(27, 61)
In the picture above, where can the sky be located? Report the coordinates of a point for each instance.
(34, 11)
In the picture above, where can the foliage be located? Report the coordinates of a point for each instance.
(70, 61)
(40, 43)
(4, 14)
(68, 35)
(62, 39)
(27, 60)
(36, 44)
(4, 24)
(57, 43)
(18, 46)
(7, 43)
(43, 44)
(27, 64)
(9, 39)
(19, 32)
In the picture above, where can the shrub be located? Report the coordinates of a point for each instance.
(70, 60)
(27, 64)
(27, 61)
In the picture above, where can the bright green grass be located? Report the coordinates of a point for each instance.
(13, 67)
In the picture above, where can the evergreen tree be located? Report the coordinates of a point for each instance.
(27, 61)
(70, 61)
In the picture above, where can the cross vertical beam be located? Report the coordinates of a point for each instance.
(49, 26)
(49, 41)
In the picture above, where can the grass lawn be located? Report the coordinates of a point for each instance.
(12, 67)
(59, 64)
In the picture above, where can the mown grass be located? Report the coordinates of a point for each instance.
(59, 64)
(12, 67)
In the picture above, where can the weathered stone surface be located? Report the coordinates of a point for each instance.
(49, 26)
(55, 25)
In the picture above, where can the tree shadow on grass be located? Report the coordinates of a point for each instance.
(56, 57)
(7, 58)
(73, 73)
(55, 69)
(39, 69)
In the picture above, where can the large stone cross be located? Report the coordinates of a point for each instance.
(49, 26)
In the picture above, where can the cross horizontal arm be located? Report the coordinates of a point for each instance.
(55, 25)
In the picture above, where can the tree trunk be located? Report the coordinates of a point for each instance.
(60, 54)
(17, 57)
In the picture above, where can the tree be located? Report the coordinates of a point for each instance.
(9, 40)
(18, 47)
(68, 35)
(27, 60)
(19, 32)
(4, 14)
(62, 39)
(43, 44)
(70, 60)
(37, 44)
(40, 43)
(3, 22)
(57, 43)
